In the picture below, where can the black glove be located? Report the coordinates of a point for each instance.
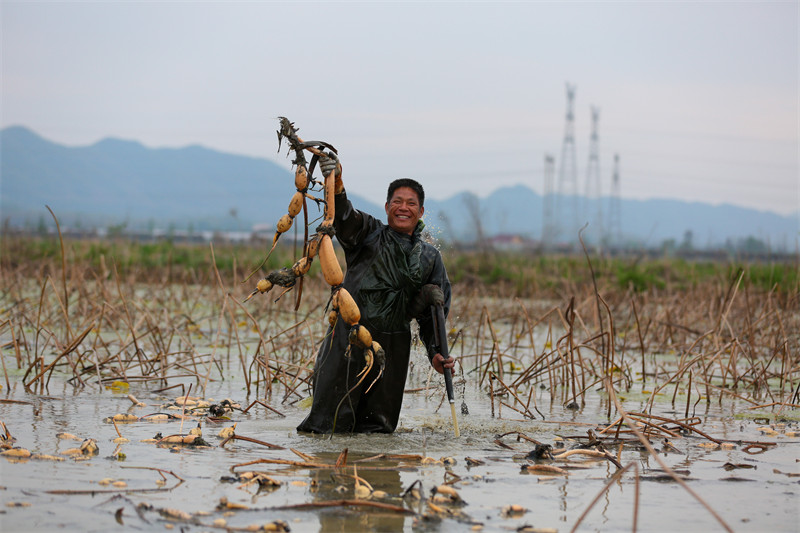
(433, 294)
(427, 296)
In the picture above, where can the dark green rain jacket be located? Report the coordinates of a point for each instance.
(385, 271)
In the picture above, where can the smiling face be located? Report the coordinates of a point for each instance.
(403, 210)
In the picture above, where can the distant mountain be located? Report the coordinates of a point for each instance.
(518, 210)
(123, 182)
(115, 181)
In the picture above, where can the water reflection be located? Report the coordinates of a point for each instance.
(333, 485)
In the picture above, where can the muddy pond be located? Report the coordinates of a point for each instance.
(688, 422)
(141, 485)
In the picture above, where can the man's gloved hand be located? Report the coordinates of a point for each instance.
(328, 163)
(427, 296)
(432, 294)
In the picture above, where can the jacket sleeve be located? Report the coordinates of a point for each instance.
(438, 276)
(351, 225)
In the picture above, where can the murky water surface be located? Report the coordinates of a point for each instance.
(762, 494)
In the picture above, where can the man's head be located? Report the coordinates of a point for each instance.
(404, 205)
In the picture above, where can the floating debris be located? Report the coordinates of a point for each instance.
(226, 433)
(89, 447)
(185, 440)
(541, 452)
(16, 453)
(45, 457)
(544, 469)
(121, 417)
(448, 494)
(175, 514)
(136, 402)
(513, 511)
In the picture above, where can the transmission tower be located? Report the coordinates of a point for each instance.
(592, 198)
(548, 221)
(568, 177)
(614, 230)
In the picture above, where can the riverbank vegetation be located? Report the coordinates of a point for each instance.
(511, 274)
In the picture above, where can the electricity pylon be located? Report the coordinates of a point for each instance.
(593, 190)
(567, 201)
(548, 220)
(614, 230)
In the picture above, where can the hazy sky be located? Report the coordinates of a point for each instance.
(699, 99)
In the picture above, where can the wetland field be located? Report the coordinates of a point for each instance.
(140, 393)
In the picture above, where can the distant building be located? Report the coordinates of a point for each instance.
(512, 243)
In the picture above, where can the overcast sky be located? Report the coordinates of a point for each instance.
(699, 99)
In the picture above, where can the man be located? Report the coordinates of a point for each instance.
(387, 267)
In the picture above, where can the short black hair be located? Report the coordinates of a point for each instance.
(411, 184)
